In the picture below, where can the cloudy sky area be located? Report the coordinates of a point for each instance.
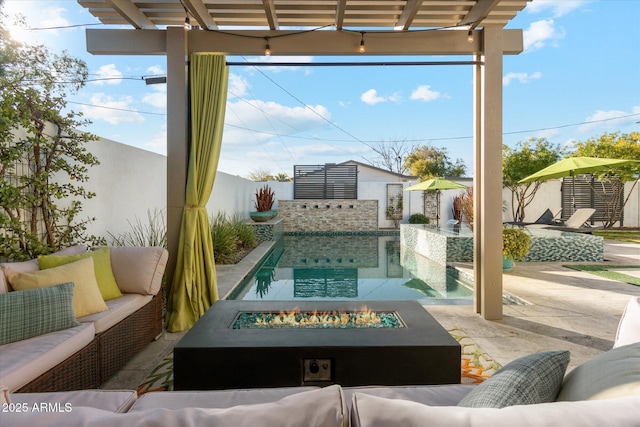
(577, 78)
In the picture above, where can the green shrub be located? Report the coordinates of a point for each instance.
(225, 241)
(153, 233)
(418, 218)
(245, 233)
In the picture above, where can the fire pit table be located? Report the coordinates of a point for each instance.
(248, 344)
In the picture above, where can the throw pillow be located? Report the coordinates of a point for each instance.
(368, 410)
(531, 379)
(86, 294)
(26, 314)
(615, 373)
(101, 263)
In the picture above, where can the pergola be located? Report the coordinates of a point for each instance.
(330, 28)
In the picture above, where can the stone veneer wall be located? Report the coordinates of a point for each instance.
(328, 215)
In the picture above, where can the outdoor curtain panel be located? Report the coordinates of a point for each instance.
(194, 287)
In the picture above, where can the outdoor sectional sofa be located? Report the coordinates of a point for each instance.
(60, 350)
(531, 391)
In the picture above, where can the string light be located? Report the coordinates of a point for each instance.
(267, 48)
(470, 36)
(187, 24)
(362, 48)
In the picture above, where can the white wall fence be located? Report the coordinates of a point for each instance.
(129, 182)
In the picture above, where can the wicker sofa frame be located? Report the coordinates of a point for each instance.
(106, 354)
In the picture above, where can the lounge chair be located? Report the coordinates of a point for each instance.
(546, 218)
(576, 223)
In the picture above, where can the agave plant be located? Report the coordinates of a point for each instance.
(264, 199)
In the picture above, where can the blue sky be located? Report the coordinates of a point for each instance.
(578, 77)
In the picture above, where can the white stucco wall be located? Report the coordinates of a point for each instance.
(129, 182)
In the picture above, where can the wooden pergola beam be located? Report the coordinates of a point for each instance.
(314, 43)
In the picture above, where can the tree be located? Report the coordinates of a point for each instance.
(391, 156)
(42, 154)
(282, 177)
(428, 162)
(525, 159)
(613, 146)
(260, 174)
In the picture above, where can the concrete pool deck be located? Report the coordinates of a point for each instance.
(567, 309)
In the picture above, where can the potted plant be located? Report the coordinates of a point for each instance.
(515, 245)
(264, 204)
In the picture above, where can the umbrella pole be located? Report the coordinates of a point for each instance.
(573, 193)
(438, 209)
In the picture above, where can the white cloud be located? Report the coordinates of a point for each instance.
(557, 7)
(157, 98)
(109, 73)
(540, 33)
(158, 143)
(117, 111)
(611, 119)
(270, 119)
(156, 70)
(371, 97)
(424, 93)
(238, 85)
(520, 77)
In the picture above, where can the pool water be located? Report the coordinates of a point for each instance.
(351, 267)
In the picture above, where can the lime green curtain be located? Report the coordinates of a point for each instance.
(194, 287)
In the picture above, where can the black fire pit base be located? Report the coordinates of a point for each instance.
(213, 355)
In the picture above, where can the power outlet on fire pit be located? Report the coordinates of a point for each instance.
(317, 370)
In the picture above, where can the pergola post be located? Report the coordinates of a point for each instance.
(177, 139)
(488, 176)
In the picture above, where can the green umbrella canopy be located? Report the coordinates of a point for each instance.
(572, 166)
(435, 184)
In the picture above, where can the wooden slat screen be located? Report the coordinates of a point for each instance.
(325, 182)
(589, 194)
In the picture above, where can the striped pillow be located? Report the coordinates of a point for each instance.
(531, 379)
(33, 312)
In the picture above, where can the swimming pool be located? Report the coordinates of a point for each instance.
(350, 267)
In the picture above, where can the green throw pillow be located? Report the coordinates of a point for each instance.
(101, 263)
(26, 314)
(531, 379)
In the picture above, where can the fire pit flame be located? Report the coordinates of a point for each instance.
(363, 318)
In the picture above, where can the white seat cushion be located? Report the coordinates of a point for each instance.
(432, 395)
(213, 398)
(118, 401)
(629, 326)
(24, 361)
(377, 411)
(118, 309)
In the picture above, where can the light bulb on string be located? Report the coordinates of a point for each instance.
(470, 36)
(187, 24)
(267, 48)
(362, 48)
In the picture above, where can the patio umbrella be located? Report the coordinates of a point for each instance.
(572, 166)
(435, 184)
